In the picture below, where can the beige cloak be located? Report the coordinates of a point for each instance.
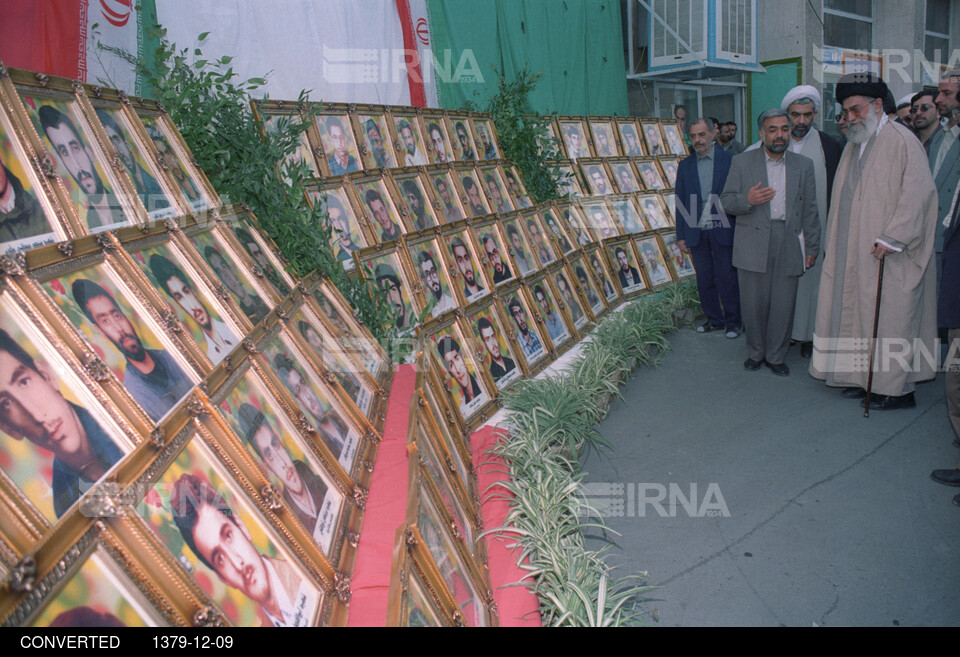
(895, 201)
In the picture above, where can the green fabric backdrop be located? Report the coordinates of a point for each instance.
(578, 44)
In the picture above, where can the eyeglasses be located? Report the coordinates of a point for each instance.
(856, 110)
(921, 108)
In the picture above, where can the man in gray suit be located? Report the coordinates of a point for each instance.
(773, 194)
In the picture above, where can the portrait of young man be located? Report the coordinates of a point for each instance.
(466, 142)
(439, 300)
(474, 197)
(551, 319)
(339, 143)
(413, 154)
(249, 301)
(441, 152)
(173, 164)
(21, 215)
(529, 341)
(628, 274)
(389, 229)
(391, 285)
(472, 287)
(501, 365)
(252, 247)
(151, 376)
(33, 408)
(418, 208)
(343, 238)
(519, 251)
(451, 210)
(376, 143)
(499, 269)
(151, 194)
(221, 540)
(466, 387)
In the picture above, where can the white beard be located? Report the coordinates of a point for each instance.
(860, 134)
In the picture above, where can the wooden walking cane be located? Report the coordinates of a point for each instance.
(873, 341)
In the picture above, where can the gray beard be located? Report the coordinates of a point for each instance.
(861, 134)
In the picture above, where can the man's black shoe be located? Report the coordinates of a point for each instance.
(806, 349)
(853, 393)
(780, 369)
(946, 477)
(889, 402)
(707, 327)
(752, 365)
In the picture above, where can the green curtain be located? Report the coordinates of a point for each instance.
(577, 44)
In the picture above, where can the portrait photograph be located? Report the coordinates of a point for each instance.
(346, 330)
(653, 260)
(519, 247)
(553, 321)
(447, 195)
(429, 483)
(624, 262)
(468, 279)
(471, 193)
(486, 139)
(556, 232)
(252, 243)
(386, 271)
(682, 264)
(411, 603)
(27, 218)
(516, 188)
(604, 140)
(601, 274)
(100, 595)
(438, 142)
(528, 334)
(456, 360)
(671, 132)
(567, 294)
(339, 146)
(630, 140)
(438, 295)
(416, 202)
(382, 214)
(99, 304)
(569, 184)
(497, 353)
(624, 177)
(584, 277)
(184, 175)
(572, 221)
(55, 441)
(493, 185)
(669, 200)
(376, 141)
(541, 244)
(653, 138)
(190, 299)
(597, 179)
(303, 155)
(598, 217)
(627, 215)
(669, 167)
(574, 139)
(229, 273)
(217, 536)
(346, 234)
(464, 147)
(650, 173)
(81, 165)
(307, 491)
(550, 142)
(654, 212)
(413, 152)
(440, 440)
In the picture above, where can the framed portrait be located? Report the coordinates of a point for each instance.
(598, 180)
(624, 263)
(244, 228)
(439, 145)
(187, 178)
(348, 232)
(604, 138)
(588, 288)
(655, 265)
(470, 190)
(447, 194)
(550, 142)
(599, 218)
(340, 153)
(631, 142)
(573, 223)
(653, 137)
(680, 262)
(30, 215)
(570, 184)
(653, 178)
(461, 135)
(486, 138)
(552, 317)
(669, 167)
(601, 274)
(197, 510)
(185, 292)
(444, 440)
(467, 276)
(575, 142)
(414, 600)
(496, 350)
(669, 200)
(376, 138)
(672, 133)
(411, 150)
(378, 208)
(654, 211)
(518, 245)
(60, 434)
(533, 347)
(231, 273)
(416, 204)
(493, 183)
(626, 214)
(387, 269)
(65, 127)
(541, 243)
(494, 252)
(555, 231)
(438, 297)
(102, 301)
(276, 118)
(569, 298)
(453, 355)
(515, 187)
(624, 177)
(291, 463)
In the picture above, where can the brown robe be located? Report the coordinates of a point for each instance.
(896, 201)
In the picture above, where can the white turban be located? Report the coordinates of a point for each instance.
(906, 99)
(803, 91)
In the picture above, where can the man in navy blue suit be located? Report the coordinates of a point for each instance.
(706, 232)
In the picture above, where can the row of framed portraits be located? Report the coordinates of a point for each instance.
(579, 137)
(622, 175)
(154, 373)
(77, 159)
(346, 138)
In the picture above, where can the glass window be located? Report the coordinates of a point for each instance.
(848, 24)
(937, 35)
